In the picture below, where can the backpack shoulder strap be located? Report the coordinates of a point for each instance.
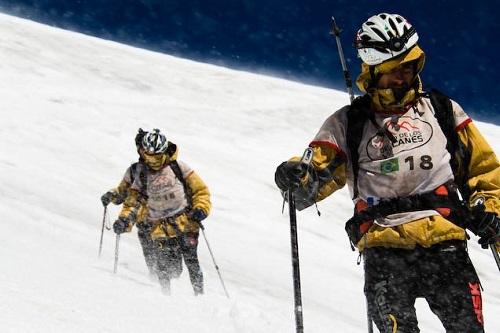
(133, 169)
(357, 116)
(138, 169)
(178, 173)
(444, 115)
(460, 157)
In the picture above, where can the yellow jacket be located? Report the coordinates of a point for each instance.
(120, 192)
(484, 181)
(135, 208)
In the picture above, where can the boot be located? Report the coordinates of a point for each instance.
(198, 289)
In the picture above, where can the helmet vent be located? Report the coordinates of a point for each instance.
(393, 25)
(379, 33)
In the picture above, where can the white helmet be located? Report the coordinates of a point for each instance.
(154, 142)
(383, 37)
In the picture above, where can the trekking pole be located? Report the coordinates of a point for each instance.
(117, 247)
(494, 250)
(347, 77)
(348, 82)
(102, 231)
(213, 259)
(299, 320)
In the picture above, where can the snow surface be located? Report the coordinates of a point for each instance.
(70, 107)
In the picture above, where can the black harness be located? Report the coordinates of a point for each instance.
(444, 199)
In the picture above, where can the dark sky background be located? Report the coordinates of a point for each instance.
(290, 38)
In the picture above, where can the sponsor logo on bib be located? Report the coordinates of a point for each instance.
(410, 133)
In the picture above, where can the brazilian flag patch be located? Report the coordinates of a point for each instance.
(389, 165)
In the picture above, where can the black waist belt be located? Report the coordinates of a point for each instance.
(171, 219)
(444, 198)
(418, 202)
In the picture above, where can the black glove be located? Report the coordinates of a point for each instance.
(120, 225)
(106, 198)
(488, 230)
(198, 215)
(288, 174)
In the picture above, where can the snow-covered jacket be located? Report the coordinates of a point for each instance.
(418, 162)
(155, 197)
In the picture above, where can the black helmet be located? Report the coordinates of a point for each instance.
(138, 137)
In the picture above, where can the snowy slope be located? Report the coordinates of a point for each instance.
(70, 106)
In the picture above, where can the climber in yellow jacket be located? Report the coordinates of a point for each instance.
(170, 199)
(409, 220)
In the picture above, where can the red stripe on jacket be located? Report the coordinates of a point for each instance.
(329, 144)
(463, 124)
